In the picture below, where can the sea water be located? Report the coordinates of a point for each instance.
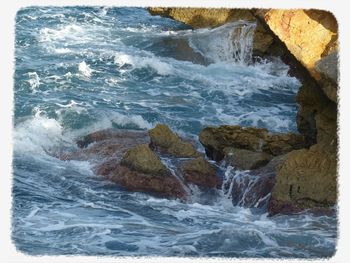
(83, 69)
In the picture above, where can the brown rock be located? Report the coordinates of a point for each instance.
(306, 179)
(199, 172)
(167, 142)
(142, 159)
(216, 139)
(245, 159)
(160, 184)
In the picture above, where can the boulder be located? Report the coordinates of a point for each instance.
(305, 179)
(199, 172)
(245, 159)
(141, 170)
(141, 158)
(216, 139)
(166, 142)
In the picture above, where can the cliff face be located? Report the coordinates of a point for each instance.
(307, 40)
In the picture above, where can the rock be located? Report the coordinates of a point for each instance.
(310, 36)
(142, 159)
(253, 188)
(167, 142)
(213, 17)
(305, 179)
(164, 185)
(110, 143)
(216, 139)
(245, 159)
(199, 172)
(141, 170)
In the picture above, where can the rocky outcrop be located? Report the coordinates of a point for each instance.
(309, 35)
(307, 40)
(199, 172)
(166, 142)
(258, 140)
(126, 158)
(141, 170)
(305, 179)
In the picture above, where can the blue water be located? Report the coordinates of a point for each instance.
(83, 69)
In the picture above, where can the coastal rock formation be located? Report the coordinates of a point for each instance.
(306, 40)
(141, 170)
(166, 142)
(199, 172)
(245, 159)
(132, 160)
(216, 139)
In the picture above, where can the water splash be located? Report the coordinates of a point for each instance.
(245, 188)
(232, 42)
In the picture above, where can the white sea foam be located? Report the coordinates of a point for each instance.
(161, 67)
(85, 69)
(38, 134)
(34, 81)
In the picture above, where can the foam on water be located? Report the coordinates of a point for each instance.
(97, 68)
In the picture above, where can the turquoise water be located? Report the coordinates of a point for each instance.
(83, 69)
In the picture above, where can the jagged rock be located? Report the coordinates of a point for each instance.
(167, 142)
(305, 179)
(199, 172)
(245, 159)
(216, 139)
(310, 35)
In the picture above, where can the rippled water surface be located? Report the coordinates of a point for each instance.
(82, 69)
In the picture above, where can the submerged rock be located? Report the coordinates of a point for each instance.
(216, 139)
(165, 141)
(199, 172)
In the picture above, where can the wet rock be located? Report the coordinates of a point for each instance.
(142, 159)
(245, 159)
(199, 172)
(253, 188)
(216, 139)
(165, 141)
(141, 170)
(105, 144)
(305, 179)
(165, 185)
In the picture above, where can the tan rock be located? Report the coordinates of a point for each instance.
(245, 159)
(216, 139)
(167, 142)
(305, 179)
(199, 172)
(142, 159)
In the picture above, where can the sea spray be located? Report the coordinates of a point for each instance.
(232, 42)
